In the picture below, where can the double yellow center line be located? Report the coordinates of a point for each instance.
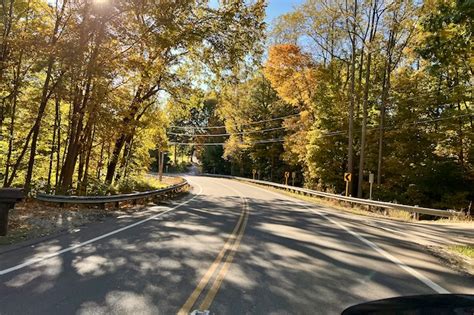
(230, 248)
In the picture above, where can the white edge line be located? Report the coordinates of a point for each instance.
(437, 288)
(71, 248)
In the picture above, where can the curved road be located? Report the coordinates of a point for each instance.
(230, 248)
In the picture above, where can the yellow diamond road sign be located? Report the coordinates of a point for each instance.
(348, 177)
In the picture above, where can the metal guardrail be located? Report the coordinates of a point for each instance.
(108, 199)
(358, 201)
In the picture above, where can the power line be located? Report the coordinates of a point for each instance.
(426, 94)
(425, 121)
(330, 134)
(243, 125)
(226, 134)
(391, 128)
(224, 143)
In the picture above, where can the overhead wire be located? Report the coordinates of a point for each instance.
(427, 94)
(226, 134)
(333, 133)
(241, 126)
(223, 143)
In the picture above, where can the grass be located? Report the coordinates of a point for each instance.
(394, 214)
(468, 220)
(399, 214)
(125, 186)
(464, 250)
(343, 206)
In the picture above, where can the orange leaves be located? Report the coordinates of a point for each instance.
(291, 73)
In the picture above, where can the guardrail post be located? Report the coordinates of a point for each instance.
(8, 198)
(416, 215)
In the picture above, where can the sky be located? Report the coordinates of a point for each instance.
(278, 7)
(275, 8)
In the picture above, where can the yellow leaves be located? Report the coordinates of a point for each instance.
(305, 115)
(234, 148)
(291, 73)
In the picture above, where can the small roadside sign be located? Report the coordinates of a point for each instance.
(371, 178)
(348, 177)
(254, 172)
(293, 177)
(287, 175)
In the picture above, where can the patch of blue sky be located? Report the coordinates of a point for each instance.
(275, 8)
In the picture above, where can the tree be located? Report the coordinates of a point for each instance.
(255, 118)
(204, 33)
(367, 54)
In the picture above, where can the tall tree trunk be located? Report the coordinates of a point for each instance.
(461, 136)
(271, 169)
(80, 134)
(134, 115)
(373, 29)
(11, 136)
(124, 137)
(101, 160)
(53, 145)
(68, 139)
(20, 158)
(175, 155)
(383, 108)
(160, 158)
(386, 85)
(5, 48)
(46, 94)
(364, 126)
(119, 144)
(75, 143)
(4, 45)
(83, 188)
(58, 145)
(80, 168)
(11, 129)
(125, 155)
(37, 126)
(350, 146)
(86, 141)
(359, 82)
(127, 161)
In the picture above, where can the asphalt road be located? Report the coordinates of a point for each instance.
(230, 248)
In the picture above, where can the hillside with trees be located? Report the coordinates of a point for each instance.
(91, 90)
(83, 82)
(381, 87)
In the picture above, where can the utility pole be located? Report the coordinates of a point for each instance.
(371, 181)
(350, 148)
(161, 159)
(175, 156)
